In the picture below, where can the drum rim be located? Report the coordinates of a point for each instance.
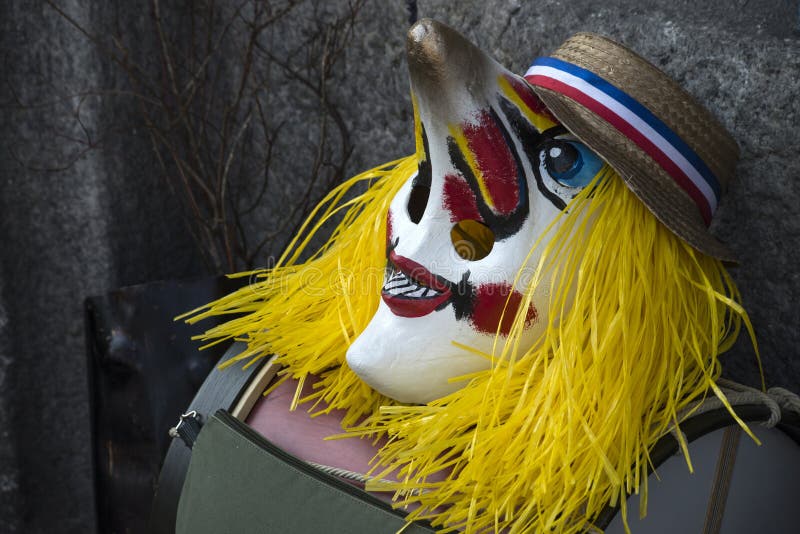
(701, 425)
(240, 403)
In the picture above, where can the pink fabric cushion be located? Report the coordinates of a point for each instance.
(303, 436)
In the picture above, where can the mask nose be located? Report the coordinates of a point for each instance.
(450, 77)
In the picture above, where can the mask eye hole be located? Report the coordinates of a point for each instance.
(472, 239)
(417, 201)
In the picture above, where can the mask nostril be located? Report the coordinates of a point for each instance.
(417, 201)
(472, 239)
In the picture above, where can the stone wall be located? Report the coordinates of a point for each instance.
(75, 228)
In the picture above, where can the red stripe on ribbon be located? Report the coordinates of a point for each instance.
(631, 133)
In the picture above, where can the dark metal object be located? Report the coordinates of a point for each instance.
(144, 370)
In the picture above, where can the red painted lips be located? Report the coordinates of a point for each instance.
(411, 290)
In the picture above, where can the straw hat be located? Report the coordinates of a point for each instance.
(673, 154)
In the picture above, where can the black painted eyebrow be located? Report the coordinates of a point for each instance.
(502, 226)
(555, 131)
(532, 140)
(424, 170)
(526, 132)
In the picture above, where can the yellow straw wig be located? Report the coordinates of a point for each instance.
(549, 435)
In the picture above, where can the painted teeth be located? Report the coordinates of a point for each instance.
(400, 285)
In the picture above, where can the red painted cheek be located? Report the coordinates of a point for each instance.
(490, 299)
(459, 199)
(495, 162)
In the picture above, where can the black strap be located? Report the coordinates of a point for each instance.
(188, 428)
(221, 390)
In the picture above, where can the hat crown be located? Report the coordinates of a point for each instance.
(661, 95)
(670, 150)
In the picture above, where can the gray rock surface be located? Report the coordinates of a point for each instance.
(107, 220)
(66, 234)
(76, 222)
(9, 473)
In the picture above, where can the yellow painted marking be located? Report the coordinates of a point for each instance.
(541, 122)
(420, 146)
(463, 144)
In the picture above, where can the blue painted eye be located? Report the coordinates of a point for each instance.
(571, 163)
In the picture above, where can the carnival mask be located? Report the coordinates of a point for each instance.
(495, 169)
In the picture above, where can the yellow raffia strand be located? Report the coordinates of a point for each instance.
(550, 434)
(307, 313)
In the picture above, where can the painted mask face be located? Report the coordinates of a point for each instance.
(495, 169)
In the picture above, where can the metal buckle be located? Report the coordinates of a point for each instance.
(188, 428)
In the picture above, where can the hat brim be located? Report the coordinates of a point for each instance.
(670, 204)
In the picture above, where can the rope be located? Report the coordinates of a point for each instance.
(355, 476)
(341, 473)
(740, 395)
(785, 399)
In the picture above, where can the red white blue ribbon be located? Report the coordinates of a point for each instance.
(634, 121)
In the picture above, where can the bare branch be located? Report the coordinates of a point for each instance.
(213, 76)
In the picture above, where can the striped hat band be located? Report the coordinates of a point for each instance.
(634, 121)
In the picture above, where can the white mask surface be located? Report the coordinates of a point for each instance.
(495, 170)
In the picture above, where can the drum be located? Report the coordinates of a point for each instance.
(241, 462)
(736, 486)
(221, 475)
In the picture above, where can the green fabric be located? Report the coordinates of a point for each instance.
(235, 486)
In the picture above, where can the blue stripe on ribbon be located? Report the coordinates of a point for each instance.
(643, 113)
